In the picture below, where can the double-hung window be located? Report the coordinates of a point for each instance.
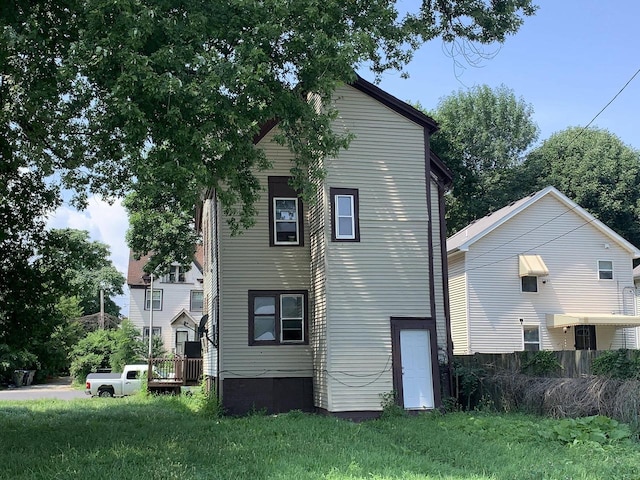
(277, 317)
(605, 270)
(285, 214)
(345, 225)
(529, 283)
(157, 299)
(196, 302)
(157, 332)
(531, 338)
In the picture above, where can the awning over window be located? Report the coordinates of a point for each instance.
(560, 320)
(532, 266)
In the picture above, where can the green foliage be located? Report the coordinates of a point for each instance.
(11, 360)
(164, 99)
(468, 381)
(129, 349)
(598, 429)
(623, 364)
(484, 134)
(296, 446)
(540, 363)
(595, 169)
(92, 353)
(390, 404)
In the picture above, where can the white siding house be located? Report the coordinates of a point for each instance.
(177, 302)
(317, 303)
(541, 273)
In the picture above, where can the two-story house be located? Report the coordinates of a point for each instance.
(177, 302)
(331, 306)
(541, 274)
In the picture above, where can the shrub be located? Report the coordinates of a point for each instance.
(622, 364)
(390, 406)
(541, 363)
(468, 381)
(597, 428)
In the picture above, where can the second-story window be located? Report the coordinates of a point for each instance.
(177, 274)
(157, 299)
(345, 225)
(196, 301)
(285, 214)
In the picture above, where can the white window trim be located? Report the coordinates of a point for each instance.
(605, 270)
(339, 236)
(537, 285)
(531, 325)
(276, 221)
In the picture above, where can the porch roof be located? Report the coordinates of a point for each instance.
(559, 320)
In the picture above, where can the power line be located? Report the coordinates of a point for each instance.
(582, 130)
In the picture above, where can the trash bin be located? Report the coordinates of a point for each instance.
(23, 378)
(28, 377)
(18, 377)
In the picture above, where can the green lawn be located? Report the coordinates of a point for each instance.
(163, 438)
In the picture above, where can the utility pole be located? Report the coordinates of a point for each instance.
(101, 321)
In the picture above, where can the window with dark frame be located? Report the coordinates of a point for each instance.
(157, 332)
(196, 301)
(177, 274)
(278, 317)
(345, 223)
(529, 283)
(157, 299)
(285, 214)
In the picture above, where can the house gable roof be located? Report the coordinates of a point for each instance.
(135, 271)
(462, 240)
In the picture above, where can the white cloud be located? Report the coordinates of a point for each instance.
(105, 223)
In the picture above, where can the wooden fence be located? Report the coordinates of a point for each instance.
(575, 363)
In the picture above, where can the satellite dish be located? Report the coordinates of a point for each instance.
(202, 327)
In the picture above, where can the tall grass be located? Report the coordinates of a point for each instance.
(171, 437)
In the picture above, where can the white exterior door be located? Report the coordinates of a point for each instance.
(417, 377)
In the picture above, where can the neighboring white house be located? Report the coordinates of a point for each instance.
(177, 302)
(541, 273)
(331, 306)
(636, 281)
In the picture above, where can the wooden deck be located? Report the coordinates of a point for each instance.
(176, 371)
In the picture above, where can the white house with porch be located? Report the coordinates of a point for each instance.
(177, 302)
(541, 273)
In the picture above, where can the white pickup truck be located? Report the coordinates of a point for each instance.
(116, 384)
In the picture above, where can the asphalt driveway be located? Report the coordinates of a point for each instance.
(59, 388)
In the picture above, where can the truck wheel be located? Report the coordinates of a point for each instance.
(105, 393)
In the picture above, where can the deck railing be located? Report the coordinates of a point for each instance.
(187, 371)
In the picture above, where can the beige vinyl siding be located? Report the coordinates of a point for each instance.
(386, 273)
(458, 304)
(247, 262)
(210, 284)
(438, 251)
(571, 248)
(317, 298)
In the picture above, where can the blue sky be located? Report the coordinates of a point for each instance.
(568, 61)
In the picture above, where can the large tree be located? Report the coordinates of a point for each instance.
(43, 293)
(484, 134)
(594, 168)
(163, 98)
